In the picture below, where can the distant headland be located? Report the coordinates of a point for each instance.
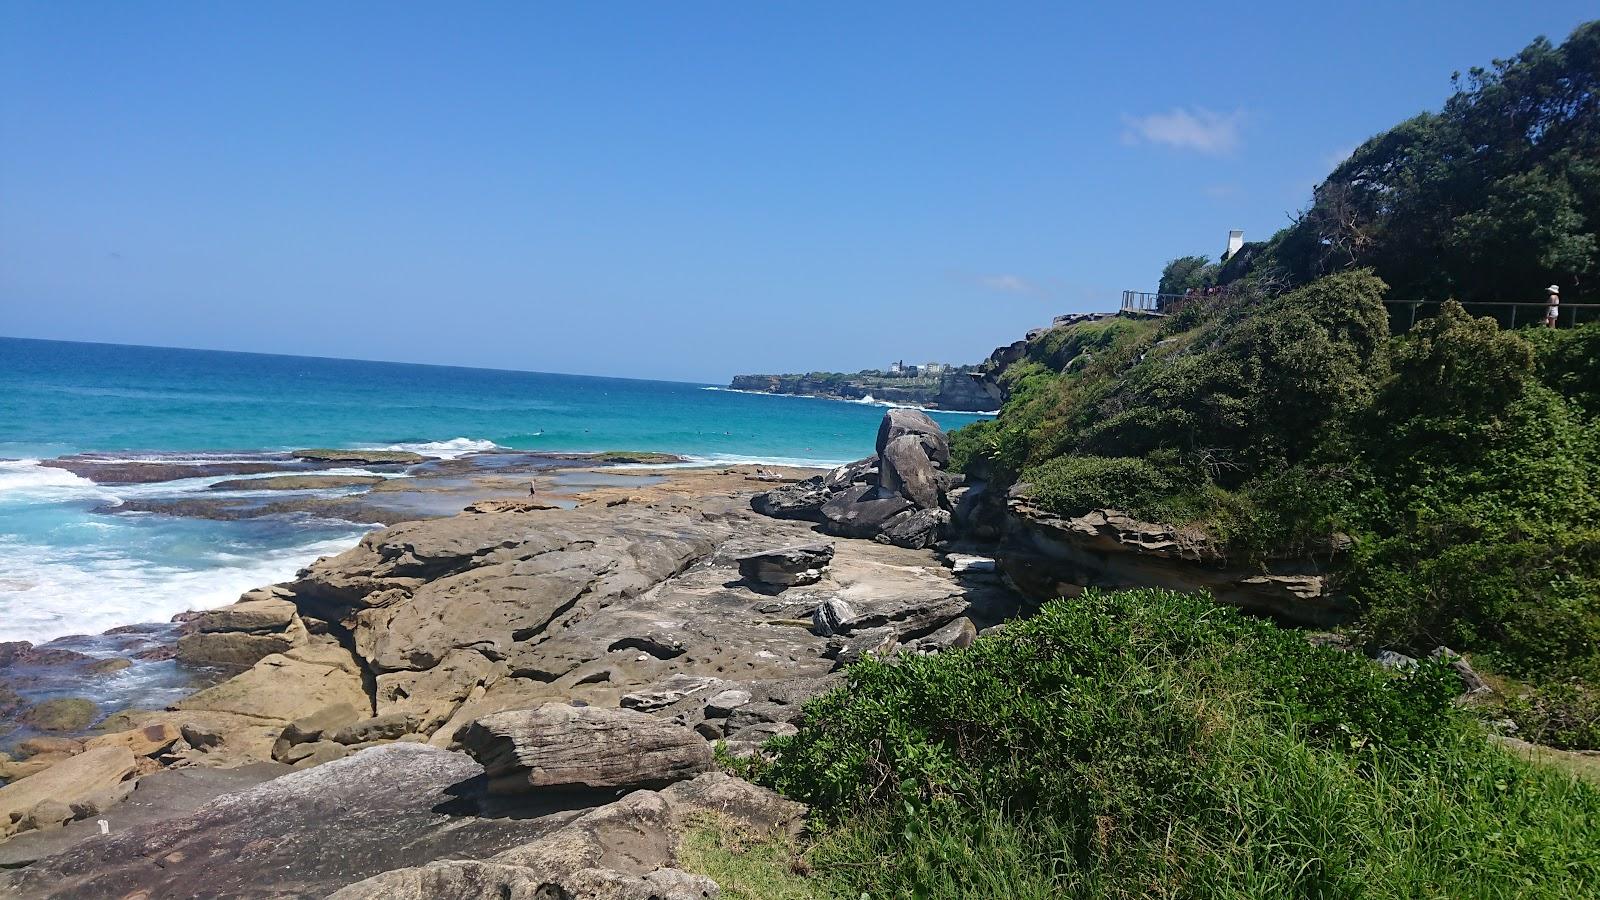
(931, 385)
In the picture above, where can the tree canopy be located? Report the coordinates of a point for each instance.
(1491, 198)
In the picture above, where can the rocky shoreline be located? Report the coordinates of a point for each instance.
(658, 611)
(522, 698)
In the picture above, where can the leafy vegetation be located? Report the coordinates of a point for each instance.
(1149, 743)
(1279, 413)
(1188, 273)
(1491, 198)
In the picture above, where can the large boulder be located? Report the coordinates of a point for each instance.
(232, 649)
(566, 746)
(862, 511)
(916, 531)
(265, 614)
(897, 423)
(787, 566)
(909, 472)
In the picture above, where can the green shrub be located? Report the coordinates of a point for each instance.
(1568, 361)
(1147, 742)
(1565, 715)
(1074, 485)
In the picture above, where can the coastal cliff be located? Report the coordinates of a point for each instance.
(960, 390)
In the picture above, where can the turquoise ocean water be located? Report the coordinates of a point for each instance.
(67, 568)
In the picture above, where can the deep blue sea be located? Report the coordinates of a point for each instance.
(67, 569)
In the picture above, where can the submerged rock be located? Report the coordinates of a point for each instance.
(62, 714)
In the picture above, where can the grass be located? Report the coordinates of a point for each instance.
(1146, 744)
(747, 866)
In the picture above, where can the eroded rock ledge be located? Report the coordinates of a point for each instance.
(1046, 556)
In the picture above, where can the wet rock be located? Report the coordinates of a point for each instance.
(297, 482)
(62, 714)
(109, 665)
(563, 746)
(787, 566)
(369, 457)
(231, 649)
(24, 653)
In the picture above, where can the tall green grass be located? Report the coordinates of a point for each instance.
(1148, 743)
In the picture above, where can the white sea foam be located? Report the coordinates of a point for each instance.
(450, 449)
(26, 481)
(734, 459)
(49, 591)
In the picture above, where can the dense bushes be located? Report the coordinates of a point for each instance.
(1464, 459)
(1150, 743)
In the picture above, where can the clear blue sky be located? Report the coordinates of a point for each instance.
(673, 190)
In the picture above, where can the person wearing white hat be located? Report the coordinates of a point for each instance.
(1554, 312)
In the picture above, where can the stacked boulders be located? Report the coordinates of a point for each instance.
(900, 496)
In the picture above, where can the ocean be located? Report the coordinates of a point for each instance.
(71, 563)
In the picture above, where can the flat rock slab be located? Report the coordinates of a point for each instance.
(582, 746)
(306, 834)
(87, 776)
(159, 796)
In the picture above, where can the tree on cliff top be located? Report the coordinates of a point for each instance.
(1491, 198)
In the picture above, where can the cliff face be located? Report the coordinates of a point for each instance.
(959, 390)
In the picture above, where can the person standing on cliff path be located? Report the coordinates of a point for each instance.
(1552, 314)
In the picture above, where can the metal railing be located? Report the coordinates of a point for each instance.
(1507, 312)
(1141, 301)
